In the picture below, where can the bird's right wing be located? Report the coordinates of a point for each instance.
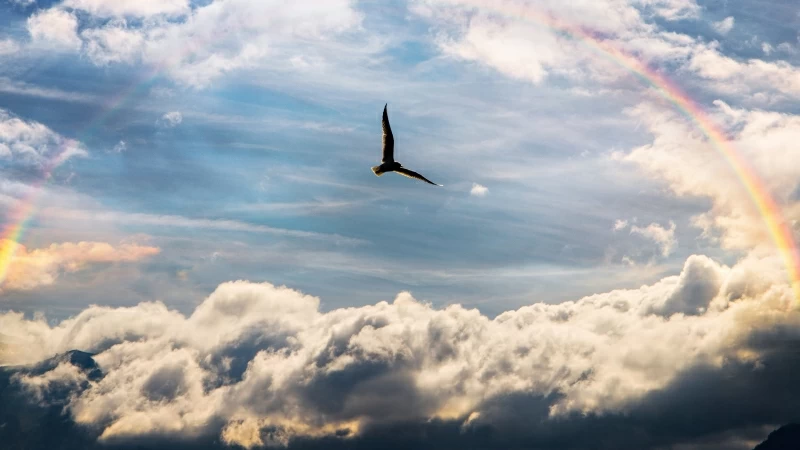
(388, 138)
(411, 174)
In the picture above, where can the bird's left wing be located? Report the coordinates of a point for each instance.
(388, 138)
(411, 174)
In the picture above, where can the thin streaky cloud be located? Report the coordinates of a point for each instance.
(169, 220)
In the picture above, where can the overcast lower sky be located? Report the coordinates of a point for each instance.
(212, 229)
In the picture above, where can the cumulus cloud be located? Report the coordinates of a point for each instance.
(170, 120)
(55, 27)
(769, 81)
(29, 269)
(664, 237)
(620, 225)
(113, 43)
(724, 26)
(478, 190)
(690, 166)
(33, 143)
(256, 364)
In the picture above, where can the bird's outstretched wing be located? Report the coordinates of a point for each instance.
(411, 174)
(388, 138)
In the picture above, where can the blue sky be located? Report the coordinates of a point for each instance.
(590, 255)
(288, 142)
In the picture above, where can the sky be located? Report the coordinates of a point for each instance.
(185, 191)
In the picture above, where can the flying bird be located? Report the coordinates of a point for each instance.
(388, 164)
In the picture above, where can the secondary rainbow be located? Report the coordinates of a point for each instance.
(768, 208)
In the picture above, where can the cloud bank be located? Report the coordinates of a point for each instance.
(256, 364)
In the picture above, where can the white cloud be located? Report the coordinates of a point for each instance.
(21, 88)
(113, 43)
(767, 48)
(724, 26)
(672, 9)
(754, 76)
(620, 224)
(8, 47)
(691, 166)
(259, 357)
(186, 222)
(664, 237)
(201, 43)
(525, 50)
(55, 27)
(787, 48)
(170, 120)
(478, 190)
(29, 269)
(34, 143)
(120, 147)
(135, 8)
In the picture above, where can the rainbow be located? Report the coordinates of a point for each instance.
(20, 218)
(768, 208)
(26, 208)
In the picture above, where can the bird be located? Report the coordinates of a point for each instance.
(388, 164)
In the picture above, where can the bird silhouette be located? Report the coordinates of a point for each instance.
(388, 164)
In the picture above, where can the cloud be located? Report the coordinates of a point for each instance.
(524, 50)
(21, 88)
(187, 222)
(268, 366)
(120, 147)
(170, 120)
(620, 224)
(724, 26)
(134, 8)
(225, 36)
(8, 47)
(33, 143)
(29, 269)
(690, 166)
(55, 27)
(672, 9)
(478, 190)
(113, 43)
(665, 238)
(770, 81)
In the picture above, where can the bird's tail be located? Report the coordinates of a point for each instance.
(378, 170)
